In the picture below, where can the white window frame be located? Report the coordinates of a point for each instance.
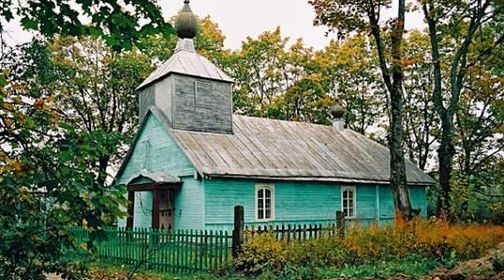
(353, 189)
(271, 188)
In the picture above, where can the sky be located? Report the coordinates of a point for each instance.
(241, 18)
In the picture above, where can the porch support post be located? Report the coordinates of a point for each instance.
(155, 208)
(131, 207)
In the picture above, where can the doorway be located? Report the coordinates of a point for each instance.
(166, 209)
(163, 203)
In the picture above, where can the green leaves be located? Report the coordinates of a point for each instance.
(121, 26)
(347, 16)
(49, 175)
(29, 23)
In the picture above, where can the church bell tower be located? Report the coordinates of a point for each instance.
(188, 89)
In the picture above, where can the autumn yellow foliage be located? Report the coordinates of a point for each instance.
(434, 239)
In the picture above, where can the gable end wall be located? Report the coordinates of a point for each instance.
(163, 155)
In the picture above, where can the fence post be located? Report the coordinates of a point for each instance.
(340, 223)
(237, 230)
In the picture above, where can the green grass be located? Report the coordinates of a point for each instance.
(411, 266)
(140, 274)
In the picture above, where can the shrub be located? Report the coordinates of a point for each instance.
(261, 253)
(419, 239)
(497, 262)
(438, 238)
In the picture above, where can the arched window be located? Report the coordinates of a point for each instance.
(265, 202)
(348, 202)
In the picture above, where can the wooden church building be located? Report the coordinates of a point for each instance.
(192, 160)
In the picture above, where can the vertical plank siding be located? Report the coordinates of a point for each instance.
(200, 105)
(174, 251)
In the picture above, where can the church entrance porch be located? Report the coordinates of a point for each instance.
(160, 200)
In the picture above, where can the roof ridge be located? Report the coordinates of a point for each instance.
(288, 121)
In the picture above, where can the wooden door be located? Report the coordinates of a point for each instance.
(166, 209)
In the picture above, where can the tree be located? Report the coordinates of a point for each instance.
(353, 78)
(347, 16)
(209, 42)
(259, 70)
(279, 81)
(95, 93)
(46, 185)
(120, 25)
(478, 140)
(455, 21)
(421, 122)
(304, 95)
(305, 100)
(47, 180)
(479, 120)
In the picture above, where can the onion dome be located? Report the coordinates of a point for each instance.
(185, 24)
(337, 111)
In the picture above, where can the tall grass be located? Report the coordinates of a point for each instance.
(427, 239)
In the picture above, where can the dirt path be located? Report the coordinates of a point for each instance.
(491, 266)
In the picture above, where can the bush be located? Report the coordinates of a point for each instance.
(422, 239)
(497, 262)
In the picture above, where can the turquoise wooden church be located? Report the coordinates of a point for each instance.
(192, 160)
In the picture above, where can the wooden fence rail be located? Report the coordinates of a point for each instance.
(175, 251)
(294, 232)
(287, 233)
(179, 251)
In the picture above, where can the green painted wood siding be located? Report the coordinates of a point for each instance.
(221, 196)
(418, 199)
(155, 150)
(366, 203)
(305, 201)
(298, 202)
(386, 203)
(418, 196)
(189, 205)
(142, 212)
(294, 202)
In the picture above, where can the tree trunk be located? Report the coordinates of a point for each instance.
(393, 82)
(398, 178)
(102, 170)
(397, 163)
(446, 152)
(457, 72)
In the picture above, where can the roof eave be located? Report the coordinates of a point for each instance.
(313, 179)
(142, 86)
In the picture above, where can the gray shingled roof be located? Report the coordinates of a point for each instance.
(284, 150)
(185, 60)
